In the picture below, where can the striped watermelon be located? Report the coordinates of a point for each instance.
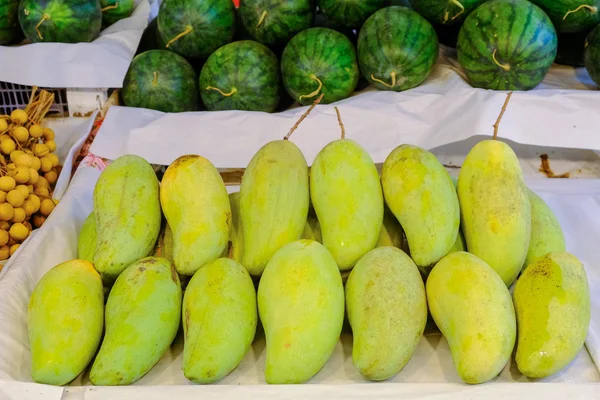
(115, 10)
(319, 61)
(447, 12)
(9, 21)
(592, 54)
(571, 16)
(275, 22)
(350, 13)
(196, 28)
(507, 45)
(397, 49)
(241, 75)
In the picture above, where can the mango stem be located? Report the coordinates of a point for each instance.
(188, 29)
(339, 117)
(505, 67)
(393, 75)
(316, 92)
(45, 17)
(297, 124)
(112, 7)
(262, 19)
(501, 115)
(591, 8)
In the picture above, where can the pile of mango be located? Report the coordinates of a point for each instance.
(408, 242)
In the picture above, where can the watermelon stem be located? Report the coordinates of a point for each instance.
(112, 7)
(341, 124)
(591, 8)
(155, 81)
(447, 13)
(393, 75)
(505, 67)
(45, 17)
(262, 19)
(316, 92)
(233, 91)
(297, 124)
(497, 124)
(188, 29)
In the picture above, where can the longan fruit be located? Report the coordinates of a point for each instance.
(21, 134)
(33, 177)
(7, 183)
(3, 237)
(53, 158)
(15, 198)
(51, 145)
(19, 117)
(3, 125)
(24, 160)
(11, 166)
(20, 215)
(28, 225)
(46, 164)
(36, 131)
(36, 163)
(18, 231)
(15, 154)
(5, 225)
(32, 204)
(38, 220)
(6, 212)
(8, 146)
(21, 174)
(51, 177)
(41, 192)
(42, 182)
(48, 134)
(3, 137)
(12, 241)
(14, 248)
(2, 196)
(4, 253)
(40, 150)
(46, 207)
(24, 189)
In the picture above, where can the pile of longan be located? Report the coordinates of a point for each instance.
(28, 173)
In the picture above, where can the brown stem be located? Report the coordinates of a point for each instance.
(45, 17)
(297, 124)
(339, 117)
(188, 30)
(501, 115)
(116, 5)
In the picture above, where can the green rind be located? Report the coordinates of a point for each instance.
(326, 54)
(522, 36)
(283, 19)
(68, 21)
(592, 54)
(446, 12)
(173, 89)
(212, 21)
(248, 70)
(124, 10)
(9, 21)
(397, 40)
(571, 16)
(350, 13)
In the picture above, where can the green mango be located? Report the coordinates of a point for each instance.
(196, 205)
(64, 320)
(236, 237)
(312, 229)
(164, 244)
(346, 194)
(86, 241)
(274, 202)
(552, 301)
(142, 318)
(219, 320)
(392, 233)
(128, 217)
(473, 309)
(301, 307)
(495, 209)
(387, 310)
(420, 193)
(546, 233)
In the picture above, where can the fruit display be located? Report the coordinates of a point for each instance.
(446, 12)
(571, 15)
(115, 10)
(278, 251)
(349, 13)
(29, 170)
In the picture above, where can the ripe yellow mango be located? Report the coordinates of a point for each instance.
(546, 233)
(495, 209)
(143, 311)
(196, 205)
(346, 194)
(552, 301)
(274, 202)
(128, 217)
(387, 310)
(236, 236)
(64, 320)
(219, 320)
(86, 241)
(312, 229)
(473, 309)
(301, 307)
(420, 193)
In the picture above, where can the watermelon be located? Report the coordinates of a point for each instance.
(571, 16)
(196, 28)
(115, 10)
(319, 61)
(161, 80)
(9, 21)
(322, 21)
(63, 21)
(447, 12)
(275, 22)
(507, 45)
(241, 75)
(350, 13)
(570, 48)
(592, 54)
(397, 49)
